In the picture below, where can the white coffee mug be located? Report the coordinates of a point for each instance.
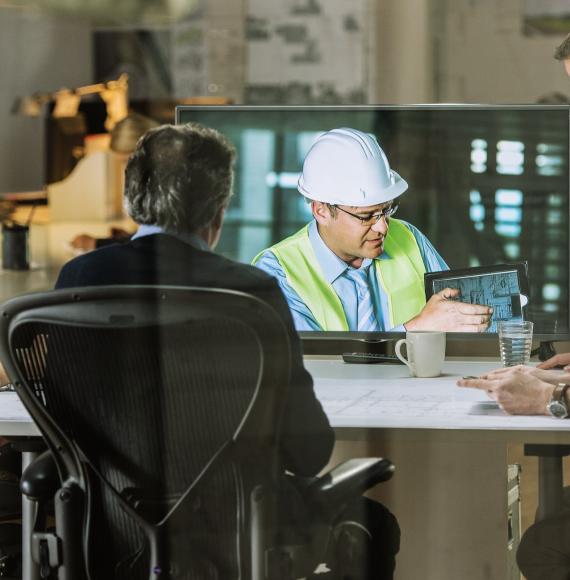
(425, 350)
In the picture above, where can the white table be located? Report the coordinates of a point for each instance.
(385, 396)
(450, 451)
(449, 446)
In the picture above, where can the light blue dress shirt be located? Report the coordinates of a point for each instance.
(192, 239)
(335, 273)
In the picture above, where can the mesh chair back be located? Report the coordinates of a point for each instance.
(162, 404)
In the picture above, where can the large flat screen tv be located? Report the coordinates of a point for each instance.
(487, 185)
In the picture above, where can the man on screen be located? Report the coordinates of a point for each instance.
(355, 267)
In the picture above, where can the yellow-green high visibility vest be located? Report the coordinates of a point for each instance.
(401, 277)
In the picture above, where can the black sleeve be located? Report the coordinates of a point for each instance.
(306, 435)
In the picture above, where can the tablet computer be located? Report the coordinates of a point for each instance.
(504, 287)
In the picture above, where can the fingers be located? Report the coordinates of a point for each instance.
(481, 384)
(470, 328)
(474, 309)
(555, 361)
(449, 293)
(489, 386)
(508, 370)
(548, 364)
(478, 319)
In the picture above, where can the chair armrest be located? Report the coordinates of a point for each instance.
(40, 480)
(24, 444)
(349, 480)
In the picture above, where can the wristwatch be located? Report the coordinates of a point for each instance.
(558, 407)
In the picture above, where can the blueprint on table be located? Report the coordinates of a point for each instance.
(500, 290)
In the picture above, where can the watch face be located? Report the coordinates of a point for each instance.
(557, 409)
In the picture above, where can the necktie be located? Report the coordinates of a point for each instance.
(365, 310)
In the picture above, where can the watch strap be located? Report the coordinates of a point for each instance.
(558, 403)
(559, 393)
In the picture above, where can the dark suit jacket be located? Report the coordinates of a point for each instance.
(307, 438)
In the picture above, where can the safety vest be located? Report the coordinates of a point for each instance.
(401, 277)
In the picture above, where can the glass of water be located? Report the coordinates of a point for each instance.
(515, 341)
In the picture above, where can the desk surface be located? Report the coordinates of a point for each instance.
(385, 396)
(14, 419)
(377, 396)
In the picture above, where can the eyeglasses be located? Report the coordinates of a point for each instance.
(373, 218)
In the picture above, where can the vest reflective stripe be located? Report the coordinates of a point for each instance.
(401, 277)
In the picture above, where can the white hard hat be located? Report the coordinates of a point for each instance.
(348, 167)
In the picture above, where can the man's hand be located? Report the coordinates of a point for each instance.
(547, 376)
(516, 391)
(443, 313)
(559, 360)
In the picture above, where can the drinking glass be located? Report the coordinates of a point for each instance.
(515, 341)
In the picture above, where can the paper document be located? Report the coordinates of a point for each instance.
(12, 408)
(392, 399)
(417, 404)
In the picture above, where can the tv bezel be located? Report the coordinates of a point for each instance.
(381, 337)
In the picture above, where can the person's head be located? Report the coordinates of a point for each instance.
(562, 53)
(353, 191)
(126, 133)
(180, 178)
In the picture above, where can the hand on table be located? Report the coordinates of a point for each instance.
(548, 376)
(444, 313)
(517, 391)
(559, 360)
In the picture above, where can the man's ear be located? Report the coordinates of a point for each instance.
(321, 212)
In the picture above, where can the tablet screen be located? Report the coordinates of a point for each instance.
(502, 288)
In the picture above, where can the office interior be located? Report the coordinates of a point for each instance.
(57, 174)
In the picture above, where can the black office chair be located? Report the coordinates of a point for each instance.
(161, 408)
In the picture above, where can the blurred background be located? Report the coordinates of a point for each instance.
(259, 52)
(83, 78)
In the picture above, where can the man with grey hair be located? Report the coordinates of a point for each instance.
(178, 184)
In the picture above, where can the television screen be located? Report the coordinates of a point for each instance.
(475, 186)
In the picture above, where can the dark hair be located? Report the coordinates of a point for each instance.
(562, 52)
(179, 177)
(332, 209)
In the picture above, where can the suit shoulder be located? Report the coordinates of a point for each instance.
(87, 268)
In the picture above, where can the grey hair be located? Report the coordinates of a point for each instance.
(179, 177)
(562, 51)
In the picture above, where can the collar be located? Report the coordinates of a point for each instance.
(193, 240)
(331, 265)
